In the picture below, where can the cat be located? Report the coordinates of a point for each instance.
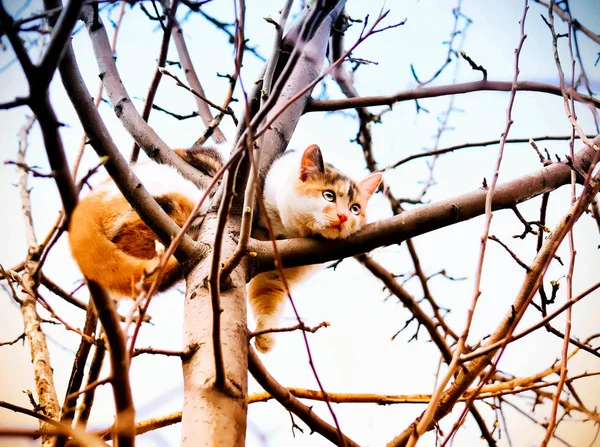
(304, 197)
(109, 241)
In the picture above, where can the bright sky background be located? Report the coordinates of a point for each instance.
(356, 353)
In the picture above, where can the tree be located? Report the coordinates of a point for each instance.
(542, 274)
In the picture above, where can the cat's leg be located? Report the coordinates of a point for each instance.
(267, 296)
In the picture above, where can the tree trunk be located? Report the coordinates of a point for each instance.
(213, 416)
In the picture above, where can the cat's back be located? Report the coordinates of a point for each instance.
(281, 175)
(158, 179)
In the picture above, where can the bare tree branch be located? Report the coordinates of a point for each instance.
(192, 77)
(143, 134)
(292, 404)
(453, 89)
(124, 428)
(162, 58)
(118, 168)
(567, 18)
(79, 435)
(421, 220)
(523, 299)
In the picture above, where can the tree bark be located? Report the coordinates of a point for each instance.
(40, 356)
(213, 416)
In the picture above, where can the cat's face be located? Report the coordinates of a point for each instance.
(327, 202)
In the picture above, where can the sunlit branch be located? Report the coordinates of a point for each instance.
(500, 389)
(524, 297)
(79, 435)
(541, 323)
(26, 297)
(571, 115)
(427, 417)
(291, 403)
(298, 327)
(421, 220)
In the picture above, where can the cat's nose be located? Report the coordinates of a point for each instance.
(343, 218)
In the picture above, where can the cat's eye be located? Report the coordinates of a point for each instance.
(355, 208)
(329, 195)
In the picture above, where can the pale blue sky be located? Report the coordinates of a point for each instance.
(355, 354)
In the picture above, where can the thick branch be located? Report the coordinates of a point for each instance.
(528, 289)
(307, 40)
(291, 403)
(421, 220)
(139, 129)
(125, 418)
(129, 185)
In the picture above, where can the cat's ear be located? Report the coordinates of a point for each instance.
(370, 184)
(312, 162)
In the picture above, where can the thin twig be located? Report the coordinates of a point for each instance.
(473, 145)
(445, 90)
(197, 94)
(510, 252)
(489, 348)
(297, 327)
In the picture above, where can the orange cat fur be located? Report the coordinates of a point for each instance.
(109, 241)
(304, 197)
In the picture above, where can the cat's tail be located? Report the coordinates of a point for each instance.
(103, 261)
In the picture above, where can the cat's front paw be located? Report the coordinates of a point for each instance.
(265, 342)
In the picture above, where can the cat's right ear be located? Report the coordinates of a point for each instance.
(312, 162)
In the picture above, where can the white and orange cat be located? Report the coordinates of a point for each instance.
(303, 197)
(109, 241)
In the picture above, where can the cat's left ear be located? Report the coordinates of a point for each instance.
(370, 184)
(312, 161)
